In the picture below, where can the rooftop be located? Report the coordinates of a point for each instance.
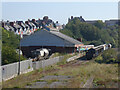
(49, 38)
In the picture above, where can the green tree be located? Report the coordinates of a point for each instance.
(99, 24)
(95, 34)
(109, 56)
(9, 55)
(10, 42)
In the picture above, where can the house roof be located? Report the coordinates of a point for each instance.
(29, 25)
(26, 25)
(32, 24)
(6, 27)
(36, 24)
(17, 26)
(11, 28)
(47, 38)
(57, 24)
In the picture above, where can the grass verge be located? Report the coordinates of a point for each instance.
(105, 75)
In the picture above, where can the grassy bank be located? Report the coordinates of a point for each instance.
(105, 75)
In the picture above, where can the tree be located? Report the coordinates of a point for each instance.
(10, 42)
(99, 24)
(9, 55)
(95, 34)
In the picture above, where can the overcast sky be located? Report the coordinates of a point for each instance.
(59, 11)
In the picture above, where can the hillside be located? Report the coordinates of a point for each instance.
(95, 34)
(10, 42)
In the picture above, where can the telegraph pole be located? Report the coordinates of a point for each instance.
(19, 56)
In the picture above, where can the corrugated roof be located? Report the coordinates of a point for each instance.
(46, 38)
(61, 35)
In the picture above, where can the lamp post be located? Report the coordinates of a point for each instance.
(19, 55)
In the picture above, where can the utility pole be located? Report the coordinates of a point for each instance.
(19, 56)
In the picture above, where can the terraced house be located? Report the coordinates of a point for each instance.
(28, 27)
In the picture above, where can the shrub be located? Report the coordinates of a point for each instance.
(108, 56)
(9, 55)
(99, 59)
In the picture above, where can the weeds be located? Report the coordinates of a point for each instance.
(102, 73)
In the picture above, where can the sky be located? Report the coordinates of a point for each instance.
(59, 11)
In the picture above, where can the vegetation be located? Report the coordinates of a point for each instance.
(104, 75)
(10, 42)
(95, 34)
(9, 55)
(56, 54)
(108, 56)
(26, 79)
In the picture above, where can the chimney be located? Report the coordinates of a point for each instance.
(80, 16)
(33, 20)
(71, 17)
(26, 22)
(56, 21)
(18, 22)
(11, 23)
(7, 20)
(45, 18)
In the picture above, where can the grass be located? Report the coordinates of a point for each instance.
(103, 74)
(55, 55)
(24, 79)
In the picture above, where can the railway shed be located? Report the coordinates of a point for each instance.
(53, 40)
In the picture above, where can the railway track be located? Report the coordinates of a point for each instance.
(76, 62)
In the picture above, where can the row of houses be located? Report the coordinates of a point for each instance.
(28, 27)
(107, 22)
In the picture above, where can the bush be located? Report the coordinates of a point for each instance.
(9, 55)
(10, 42)
(108, 56)
(99, 59)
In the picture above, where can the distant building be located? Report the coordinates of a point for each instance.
(53, 40)
(39, 22)
(30, 26)
(22, 24)
(35, 23)
(111, 22)
(58, 25)
(91, 21)
(17, 28)
(80, 18)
